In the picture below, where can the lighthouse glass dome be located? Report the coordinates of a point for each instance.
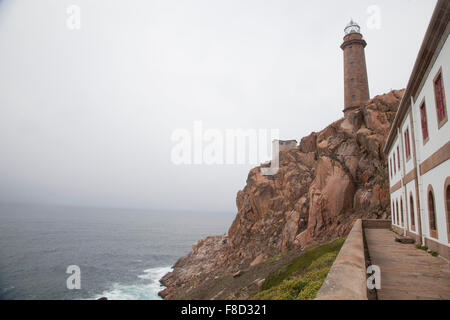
(352, 27)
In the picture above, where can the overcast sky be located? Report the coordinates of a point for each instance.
(86, 116)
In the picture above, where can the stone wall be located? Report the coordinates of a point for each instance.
(287, 145)
(347, 277)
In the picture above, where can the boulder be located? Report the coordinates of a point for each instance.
(237, 274)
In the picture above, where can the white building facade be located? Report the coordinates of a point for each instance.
(418, 146)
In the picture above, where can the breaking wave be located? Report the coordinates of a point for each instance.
(146, 288)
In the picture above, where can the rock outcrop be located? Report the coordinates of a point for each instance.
(332, 178)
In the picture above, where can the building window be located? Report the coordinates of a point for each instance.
(407, 145)
(411, 213)
(432, 213)
(424, 122)
(351, 63)
(398, 157)
(390, 167)
(396, 209)
(395, 171)
(394, 217)
(352, 80)
(393, 213)
(401, 212)
(447, 206)
(440, 100)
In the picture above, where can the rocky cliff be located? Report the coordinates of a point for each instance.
(332, 178)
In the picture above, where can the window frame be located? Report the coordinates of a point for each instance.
(407, 145)
(394, 218)
(395, 166)
(390, 167)
(398, 157)
(440, 122)
(412, 212)
(402, 219)
(433, 232)
(447, 206)
(423, 106)
(398, 216)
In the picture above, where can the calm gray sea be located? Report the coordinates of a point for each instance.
(122, 253)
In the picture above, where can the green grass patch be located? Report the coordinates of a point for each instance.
(276, 258)
(434, 253)
(425, 248)
(421, 247)
(303, 277)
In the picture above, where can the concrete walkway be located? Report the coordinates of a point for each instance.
(407, 273)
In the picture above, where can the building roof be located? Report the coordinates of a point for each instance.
(438, 30)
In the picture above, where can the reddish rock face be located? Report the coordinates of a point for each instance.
(308, 144)
(334, 177)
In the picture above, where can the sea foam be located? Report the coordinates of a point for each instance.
(146, 288)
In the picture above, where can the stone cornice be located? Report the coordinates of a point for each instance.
(354, 41)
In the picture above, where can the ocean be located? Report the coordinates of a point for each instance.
(121, 253)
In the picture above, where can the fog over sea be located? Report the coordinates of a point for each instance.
(122, 253)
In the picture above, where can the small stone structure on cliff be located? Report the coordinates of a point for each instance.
(287, 145)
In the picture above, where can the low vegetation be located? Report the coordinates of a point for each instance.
(303, 277)
(421, 247)
(425, 248)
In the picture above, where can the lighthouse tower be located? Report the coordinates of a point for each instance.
(356, 85)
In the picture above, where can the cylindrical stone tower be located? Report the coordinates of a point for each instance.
(356, 85)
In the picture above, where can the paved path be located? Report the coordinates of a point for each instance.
(407, 273)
